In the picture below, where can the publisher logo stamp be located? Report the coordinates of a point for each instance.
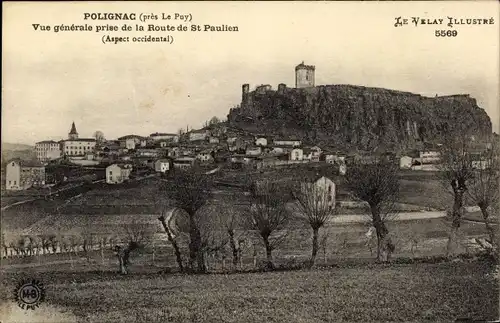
(29, 293)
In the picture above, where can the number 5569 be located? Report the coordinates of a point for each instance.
(445, 33)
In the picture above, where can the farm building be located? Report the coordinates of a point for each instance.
(118, 173)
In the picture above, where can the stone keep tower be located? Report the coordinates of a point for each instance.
(304, 75)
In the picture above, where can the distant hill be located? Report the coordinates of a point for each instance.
(16, 147)
(10, 151)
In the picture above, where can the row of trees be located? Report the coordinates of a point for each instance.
(267, 212)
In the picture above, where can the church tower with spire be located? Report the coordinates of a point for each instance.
(72, 133)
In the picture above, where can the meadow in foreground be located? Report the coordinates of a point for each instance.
(345, 293)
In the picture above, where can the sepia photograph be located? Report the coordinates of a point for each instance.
(250, 161)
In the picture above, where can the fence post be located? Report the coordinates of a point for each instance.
(254, 256)
(102, 252)
(153, 253)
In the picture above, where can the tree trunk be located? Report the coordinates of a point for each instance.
(315, 246)
(123, 267)
(172, 241)
(195, 250)
(234, 248)
(269, 255)
(200, 259)
(456, 218)
(254, 256)
(491, 231)
(384, 243)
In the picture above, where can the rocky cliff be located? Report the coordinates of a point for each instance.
(360, 117)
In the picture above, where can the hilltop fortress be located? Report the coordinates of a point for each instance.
(351, 115)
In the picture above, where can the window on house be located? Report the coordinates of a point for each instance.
(12, 164)
(15, 183)
(110, 173)
(10, 182)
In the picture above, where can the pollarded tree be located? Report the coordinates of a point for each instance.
(190, 191)
(456, 170)
(483, 189)
(378, 185)
(268, 216)
(137, 237)
(232, 223)
(315, 201)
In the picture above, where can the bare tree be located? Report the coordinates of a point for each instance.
(378, 185)
(315, 201)
(99, 137)
(456, 170)
(483, 189)
(137, 237)
(213, 237)
(166, 219)
(268, 216)
(231, 222)
(190, 192)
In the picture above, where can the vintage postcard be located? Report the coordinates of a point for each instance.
(250, 162)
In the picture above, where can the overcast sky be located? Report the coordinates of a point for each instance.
(51, 79)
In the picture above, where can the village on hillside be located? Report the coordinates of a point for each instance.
(215, 145)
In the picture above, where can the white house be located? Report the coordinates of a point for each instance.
(261, 141)
(405, 162)
(132, 141)
(22, 174)
(162, 165)
(118, 173)
(297, 154)
(47, 150)
(78, 146)
(323, 187)
(205, 156)
(128, 143)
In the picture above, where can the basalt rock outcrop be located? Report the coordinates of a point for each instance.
(356, 116)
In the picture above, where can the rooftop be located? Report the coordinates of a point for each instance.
(26, 163)
(130, 137)
(162, 134)
(73, 129)
(304, 66)
(80, 139)
(47, 142)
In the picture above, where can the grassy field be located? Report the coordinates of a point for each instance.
(441, 292)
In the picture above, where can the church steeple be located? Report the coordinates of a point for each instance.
(73, 134)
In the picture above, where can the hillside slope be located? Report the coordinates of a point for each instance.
(356, 116)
